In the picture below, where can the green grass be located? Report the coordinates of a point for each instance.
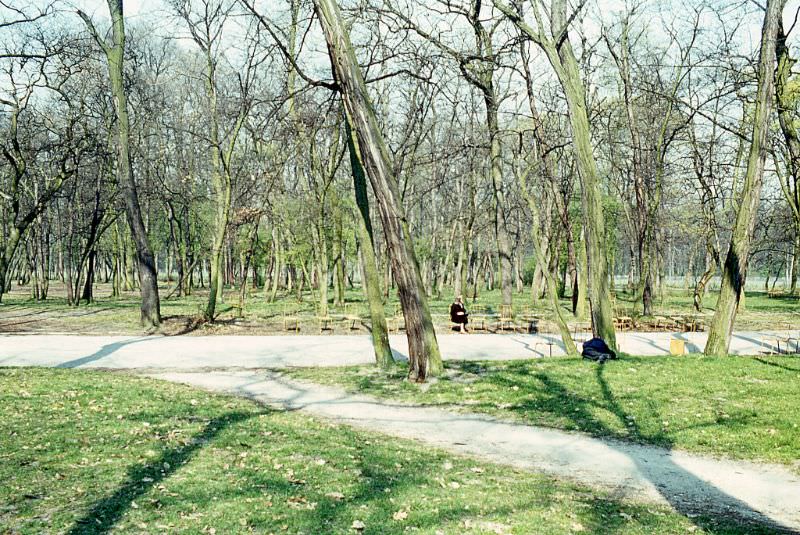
(90, 452)
(120, 315)
(737, 407)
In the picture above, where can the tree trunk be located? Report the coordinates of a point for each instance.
(371, 281)
(252, 240)
(322, 266)
(148, 280)
(541, 258)
(424, 356)
(498, 198)
(599, 292)
(786, 102)
(702, 282)
(795, 266)
(339, 266)
(277, 252)
(561, 56)
(87, 294)
(734, 272)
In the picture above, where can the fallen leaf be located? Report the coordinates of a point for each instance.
(400, 515)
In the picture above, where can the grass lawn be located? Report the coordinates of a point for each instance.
(92, 452)
(120, 315)
(737, 407)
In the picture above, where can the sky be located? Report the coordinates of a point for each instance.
(156, 13)
(155, 9)
(131, 8)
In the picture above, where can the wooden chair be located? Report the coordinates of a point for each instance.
(351, 317)
(506, 318)
(291, 322)
(623, 323)
(324, 322)
(478, 316)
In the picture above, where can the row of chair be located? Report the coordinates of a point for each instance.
(485, 318)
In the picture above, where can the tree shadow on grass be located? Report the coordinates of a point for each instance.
(781, 366)
(705, 505)
(105, 513)
(386, 487)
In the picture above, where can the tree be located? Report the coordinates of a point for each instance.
(786, 93)
(206, 28)
(478, 66)
(735, 269)
(557, 47)
(115, 54)
(371, 280)
(424, 357)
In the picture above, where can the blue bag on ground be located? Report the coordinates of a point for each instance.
(597, 350)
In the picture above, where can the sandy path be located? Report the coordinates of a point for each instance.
(192, 352)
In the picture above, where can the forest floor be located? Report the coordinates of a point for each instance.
(93, 452)
(120, 315)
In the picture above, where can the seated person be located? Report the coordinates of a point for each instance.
(458, 314)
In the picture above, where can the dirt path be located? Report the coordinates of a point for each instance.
(691, 484)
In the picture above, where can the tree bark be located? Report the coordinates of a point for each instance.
(498, 198)
(790, 184)
(369, 266)
(561, 56)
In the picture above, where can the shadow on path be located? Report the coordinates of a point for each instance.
(700, 501)
(103, 352)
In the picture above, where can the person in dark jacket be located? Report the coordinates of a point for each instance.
(458, 314)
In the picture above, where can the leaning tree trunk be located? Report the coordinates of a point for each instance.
(562, 58)
(599, 291)
(371, 282)
(424, 356)
(551, 286)
(148, 278)
(786, 101)
(734, 272)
